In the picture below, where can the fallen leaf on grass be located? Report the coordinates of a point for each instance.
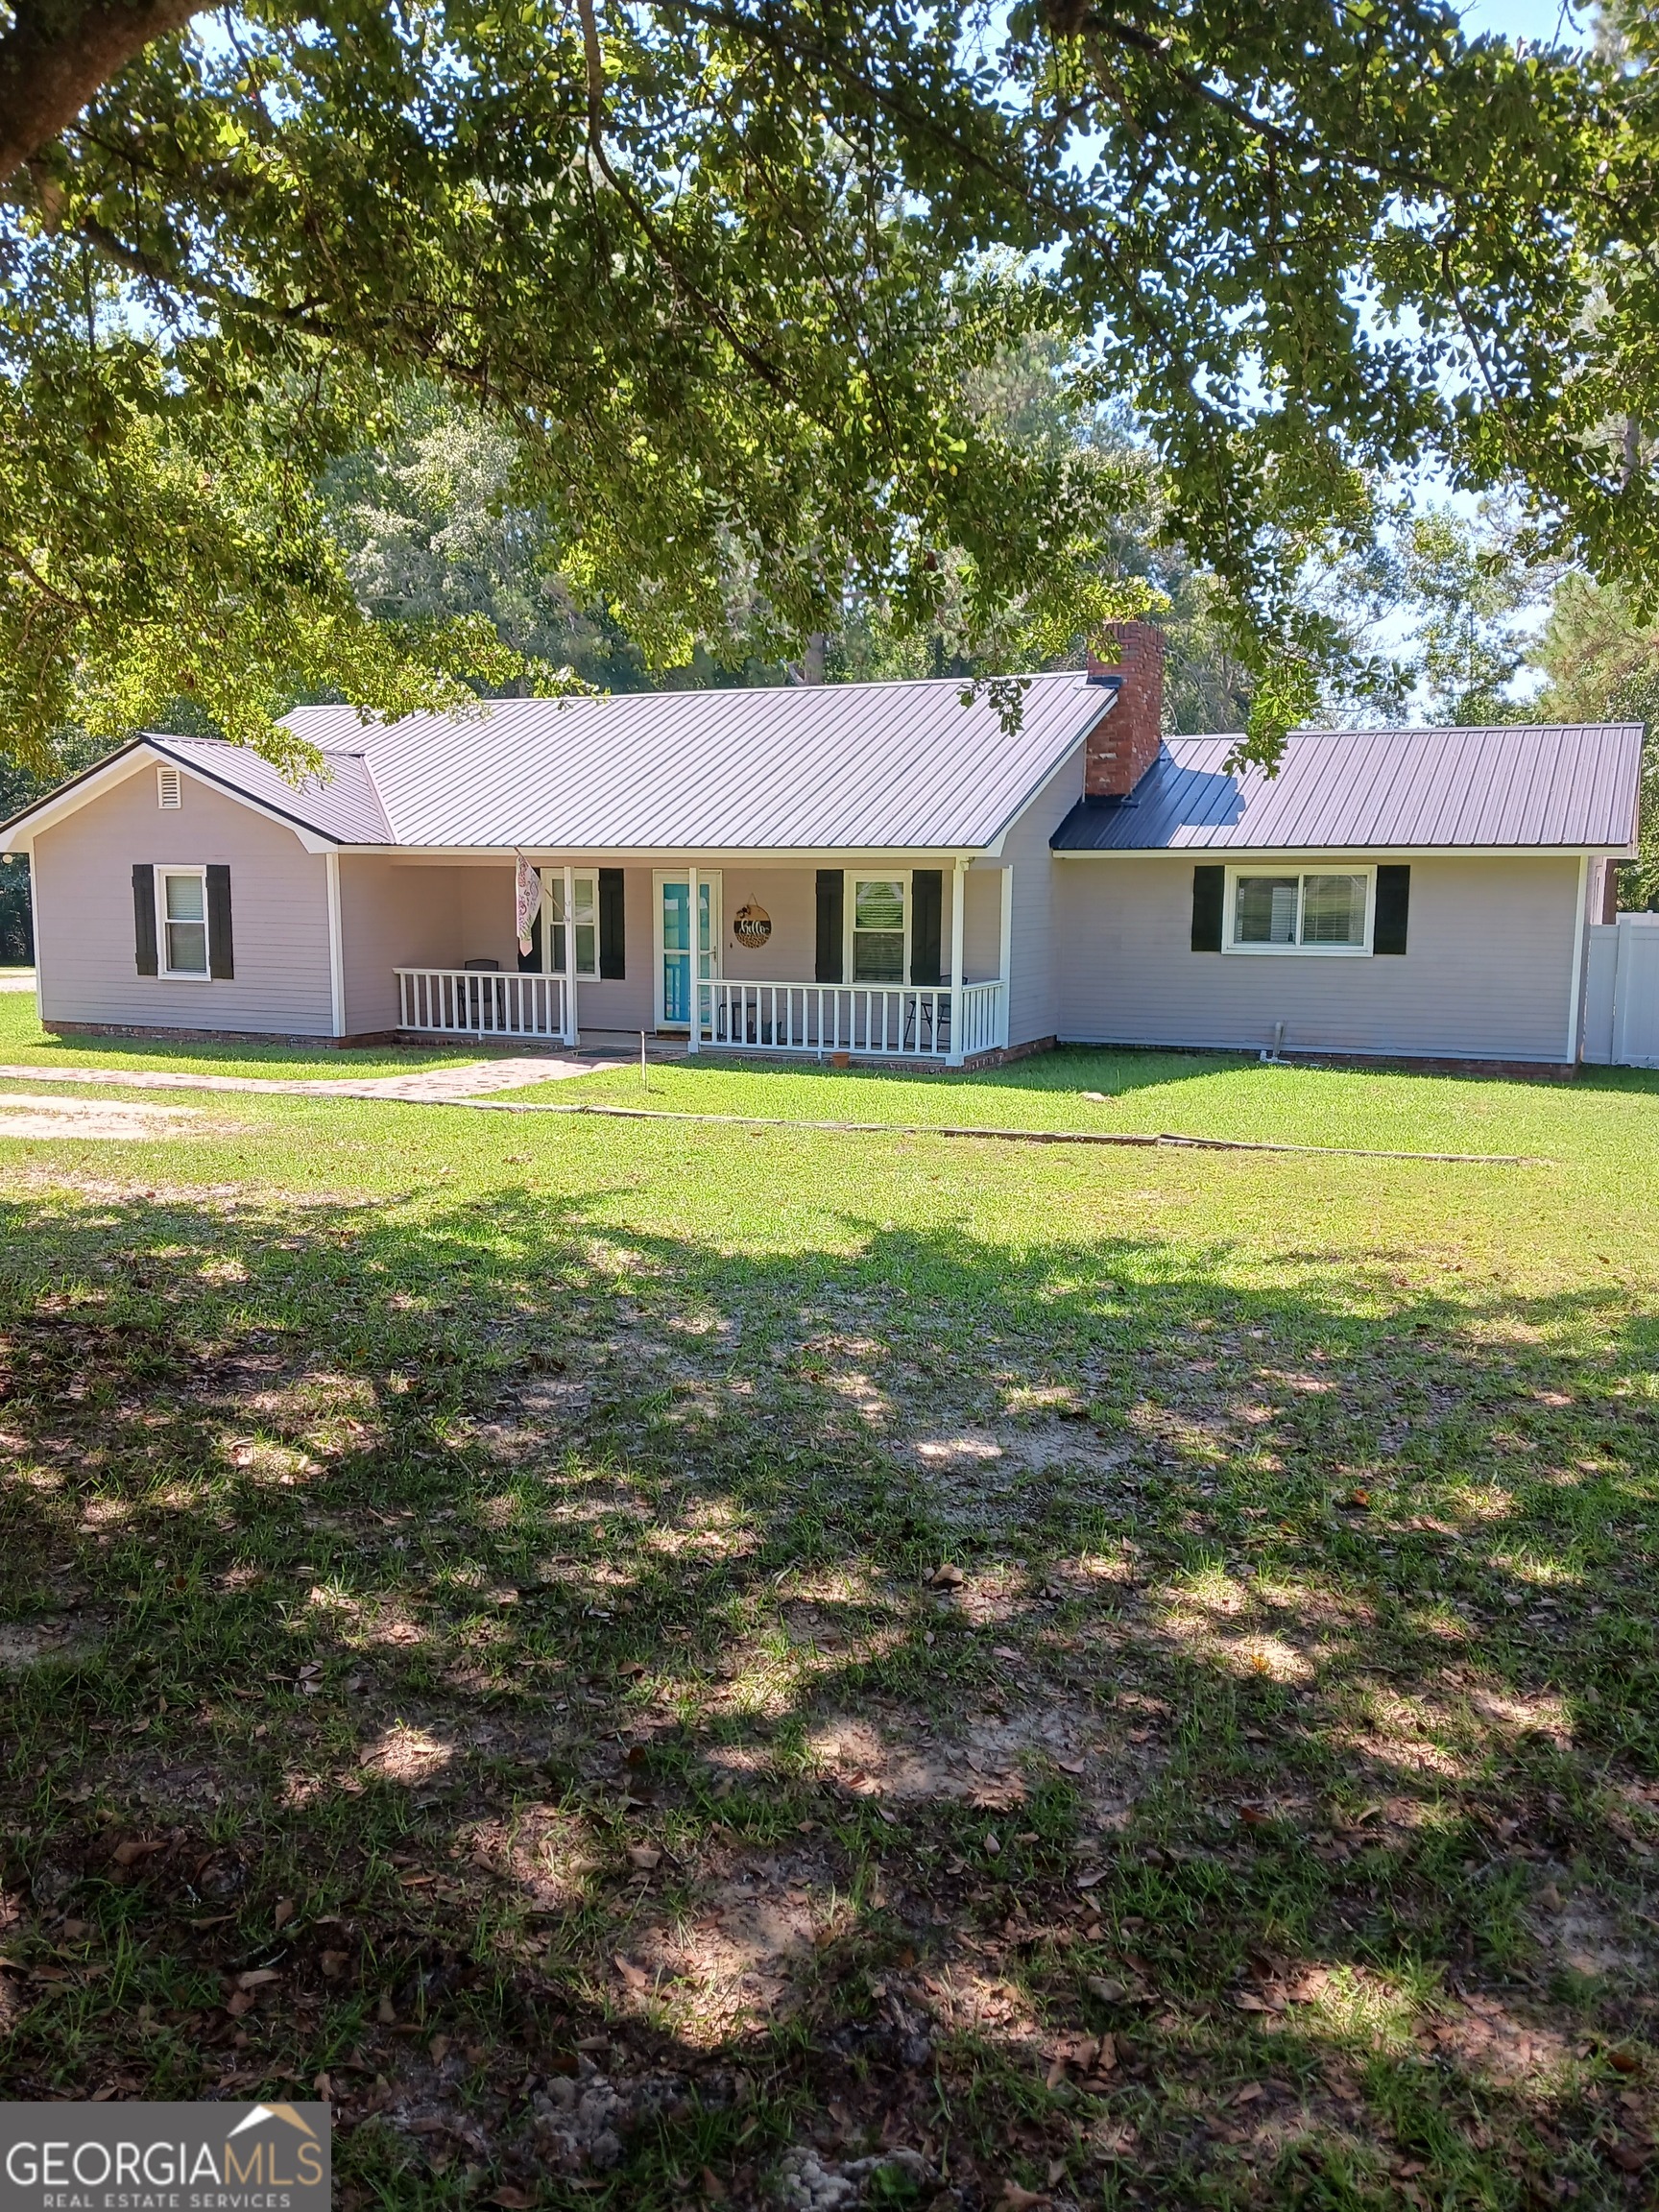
(713, 2188)
(1109, 1992)
(283, 1914)
(130, 1853)
(240, 2002)
(257, 1977)
(636, 1977)
(1020, 2200)
(1628, 2157)
(1309, 1986)
(335, 1965)
(1072, 1766)
(946, 1577)
(511, 2199)
(645, 1856)
(1247, 2001)
(1253, 1816)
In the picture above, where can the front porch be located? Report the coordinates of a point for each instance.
(940, 1023)
(872, 962)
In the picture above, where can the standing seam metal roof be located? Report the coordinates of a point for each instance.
(840, 767)
(1570, 784)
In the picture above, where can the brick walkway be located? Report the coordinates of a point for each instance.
(475, 1079)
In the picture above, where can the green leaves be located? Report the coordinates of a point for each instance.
(729, 270)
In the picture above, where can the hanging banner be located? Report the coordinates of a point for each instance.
(526, 901)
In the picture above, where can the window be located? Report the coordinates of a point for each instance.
(184, 920)
(169, 788)
(583, 917)
(880, 914)
(1300, 911)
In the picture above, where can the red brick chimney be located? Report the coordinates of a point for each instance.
(1126, 741)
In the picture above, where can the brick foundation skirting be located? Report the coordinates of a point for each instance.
(1377, 1063)
(168, 1035)
(1006, 1054)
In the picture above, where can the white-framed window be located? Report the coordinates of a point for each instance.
(182, 923)
(1328, 909)
(583, 919)
(878, 926)
(169, 788)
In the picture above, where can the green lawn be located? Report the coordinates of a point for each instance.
(24, 1043)
(680, 1663)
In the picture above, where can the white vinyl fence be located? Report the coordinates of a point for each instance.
(1621, 993)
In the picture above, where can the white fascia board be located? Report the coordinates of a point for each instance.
(1301, 855)
(133, 761)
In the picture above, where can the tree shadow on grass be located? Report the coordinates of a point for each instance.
(880, 1724)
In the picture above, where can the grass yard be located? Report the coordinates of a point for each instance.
(668, 1665)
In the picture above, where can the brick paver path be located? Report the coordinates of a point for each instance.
(432, 1086)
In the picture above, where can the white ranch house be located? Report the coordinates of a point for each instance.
(880, 870)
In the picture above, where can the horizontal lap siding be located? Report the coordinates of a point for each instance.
(393, 915)
(1487, 974)
(84, 915)
(1033, 999)
(790, 898)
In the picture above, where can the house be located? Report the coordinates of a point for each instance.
(880, 870)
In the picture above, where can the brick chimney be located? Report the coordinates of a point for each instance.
(1124, 742)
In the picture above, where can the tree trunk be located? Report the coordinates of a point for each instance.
(57, 56)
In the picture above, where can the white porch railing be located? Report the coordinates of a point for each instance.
(892, 1021)
(480, 1002)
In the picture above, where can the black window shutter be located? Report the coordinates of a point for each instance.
(1209, 897)
(927, 915)
(144, 918)
(832, 906)
(221, 947)
(613, 938)
(1393, 903)
(530, 963)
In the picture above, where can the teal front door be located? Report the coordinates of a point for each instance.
(674, 945)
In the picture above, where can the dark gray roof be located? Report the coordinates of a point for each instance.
(1516, 786)
(341, 804)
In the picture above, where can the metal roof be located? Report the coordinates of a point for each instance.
(1519, 784)
(341, 804)
(840, 766)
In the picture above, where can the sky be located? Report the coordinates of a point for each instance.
(1547, 20)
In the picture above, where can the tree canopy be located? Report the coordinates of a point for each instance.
(727, 271)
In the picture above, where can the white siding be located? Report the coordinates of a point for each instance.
(1487, 974)
(1034, 1001)
(83, 875)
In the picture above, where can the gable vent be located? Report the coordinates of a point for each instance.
(169, 788)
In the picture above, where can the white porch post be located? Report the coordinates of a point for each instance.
(572, 1028)
(1005, 954)
(336, 946)
(695, 927)
(958, 888)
